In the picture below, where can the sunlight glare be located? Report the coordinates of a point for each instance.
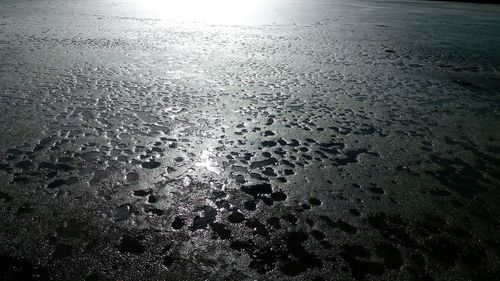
(206, 11)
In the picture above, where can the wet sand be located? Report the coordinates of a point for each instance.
(289, 140)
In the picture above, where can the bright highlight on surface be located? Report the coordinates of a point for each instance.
(207, 11)
(207, 162)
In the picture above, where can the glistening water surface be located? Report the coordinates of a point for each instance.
(249, 140)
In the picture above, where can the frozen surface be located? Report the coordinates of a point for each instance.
(268, 140)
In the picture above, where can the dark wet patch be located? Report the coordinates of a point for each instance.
(56, 183)
(132, 176)
(178, 223)
(143, 192)
(290, 218)
(393, 228)
(443, 251)
(301, 259)
(257, 190)
(340, 224)
(390, 254)
(62, 251)
(151, 165)
(294, 259)
(269, 143)
(278, 196)
(72, 229)
(25, 164)
(358, 259)
(257, 227)
(202, 222)
(315, 201)
(155, 211)
(274, 222)
(5, 197)
(351, 157)
(250, 205)
(458, 176)
(236, 217)
(131, 245)
(220, 231)
(123, 212)
(376, 190)
(263, 163)
(25, 208)
(168, 261)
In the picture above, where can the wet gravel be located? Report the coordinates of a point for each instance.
(308, 140)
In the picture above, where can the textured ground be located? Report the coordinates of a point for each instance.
(301, 140)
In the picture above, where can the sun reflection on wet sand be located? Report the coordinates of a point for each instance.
(209, 11)
(207, 162)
